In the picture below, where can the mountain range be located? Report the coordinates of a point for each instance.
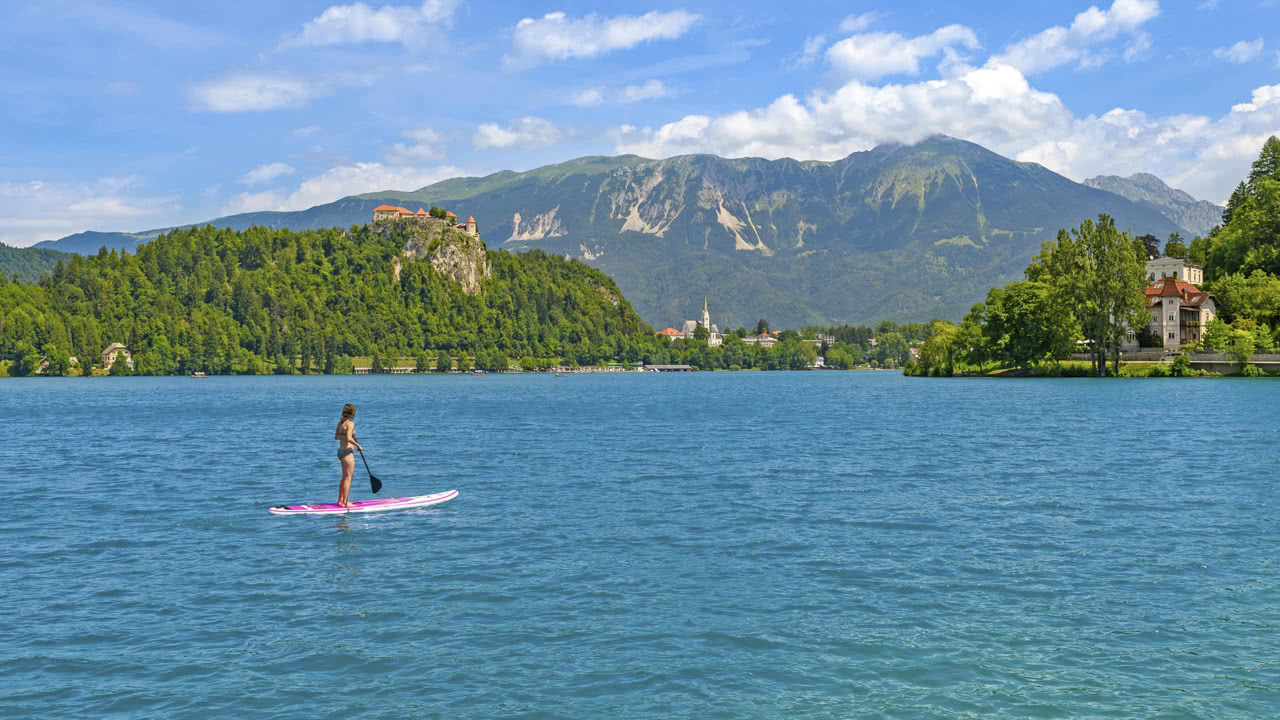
(899, 232)
(1197, 217)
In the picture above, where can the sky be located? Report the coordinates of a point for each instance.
(132, 115)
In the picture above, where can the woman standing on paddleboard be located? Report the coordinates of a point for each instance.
(346, 437)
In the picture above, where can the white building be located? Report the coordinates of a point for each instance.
(1177, 268)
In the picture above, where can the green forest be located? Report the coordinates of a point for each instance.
(1085, 290)
(29, 264)
(265, 300)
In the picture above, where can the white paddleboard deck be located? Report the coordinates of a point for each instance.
(363, 506)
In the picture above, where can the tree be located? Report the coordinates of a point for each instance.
(1094, 273)
(444, 363)
(937, 356)
(1256, 296)
(1150, 247)
(762, 326)
(1026, 324)
(701, 333)
(1217, 335)
(1240, 346)
(1175, 247)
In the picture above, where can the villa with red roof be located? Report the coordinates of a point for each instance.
(395, 212)
(1180, 311)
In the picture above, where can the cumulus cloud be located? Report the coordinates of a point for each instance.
(266, 173)
(250, 92)
(1058, 46)
(359, 23)
(36, 210)
(874, 55)
(1241, 52)
(525, 133)
(426, 147)
(556, 36)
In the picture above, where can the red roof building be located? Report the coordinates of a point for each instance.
(1179, 311)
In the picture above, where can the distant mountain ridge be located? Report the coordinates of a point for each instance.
(901, 232)
(1197, 217)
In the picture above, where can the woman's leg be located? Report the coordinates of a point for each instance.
(344, 489)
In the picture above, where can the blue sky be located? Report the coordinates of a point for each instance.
(129, 115)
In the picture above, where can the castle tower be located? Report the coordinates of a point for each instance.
(471, 226)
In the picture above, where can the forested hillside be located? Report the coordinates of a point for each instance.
(263, 300)
(28, 264)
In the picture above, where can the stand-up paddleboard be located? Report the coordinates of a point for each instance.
(359, 506)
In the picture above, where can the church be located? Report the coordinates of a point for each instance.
(714, 338)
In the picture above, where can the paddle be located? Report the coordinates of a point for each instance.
(374, 483)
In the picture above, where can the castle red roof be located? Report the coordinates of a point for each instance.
(670, 332)
(470, 219)
(421, 212)
(448, 213)
(380, 208)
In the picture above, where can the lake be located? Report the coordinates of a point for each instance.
(727, 545)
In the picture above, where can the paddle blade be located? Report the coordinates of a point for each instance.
(375, 484)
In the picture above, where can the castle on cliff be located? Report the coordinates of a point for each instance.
(397, 213)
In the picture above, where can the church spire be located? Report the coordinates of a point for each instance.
(706, 316)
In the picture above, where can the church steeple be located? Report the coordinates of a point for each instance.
(706, 316)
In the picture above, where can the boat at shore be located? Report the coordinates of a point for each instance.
(199, 374)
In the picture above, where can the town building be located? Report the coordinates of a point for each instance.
(1177, 268)
(670, 334)
(116, 351)
(1180, 311)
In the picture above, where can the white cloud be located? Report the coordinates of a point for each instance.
(1060, 46)
(307, 131)
(253, 202)
(1138, 47)
(357, 178)
(426, 148)
(1208, 5)
(555, 36)
(359, 23)
(854, 23)
(588, 97)
(811, 50)
(266, 173)
(339, 182)
(874, 55)
(651, 90)
(1242, 52)
(36, 210)
(249, 92)
(527, 132)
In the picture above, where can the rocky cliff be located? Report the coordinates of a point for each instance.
(455, 255)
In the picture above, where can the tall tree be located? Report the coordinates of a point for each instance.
(1094, 272)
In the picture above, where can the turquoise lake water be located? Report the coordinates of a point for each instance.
(728, 545)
